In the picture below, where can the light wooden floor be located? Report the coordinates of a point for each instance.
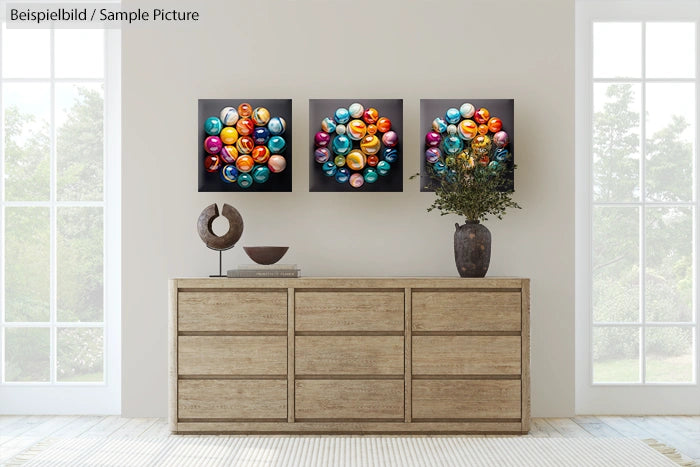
(19, 433)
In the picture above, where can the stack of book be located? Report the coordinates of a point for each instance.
(261, 270)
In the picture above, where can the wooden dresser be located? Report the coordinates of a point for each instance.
(350, 355)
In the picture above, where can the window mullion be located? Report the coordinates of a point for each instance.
(642, 211)
(2, 222)
(52, 216)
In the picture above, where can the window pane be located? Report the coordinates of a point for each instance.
(27, 354)
(617, 50)
(670, 134)
(79, 259)
(90, 43)
(26, 53)
(80, 354)
(27, 141)
(616, 142)
(669, 270)
(615, 264)
(615, 355)
(27, 264)
(669, 355)
(79, 142)
(670, 50)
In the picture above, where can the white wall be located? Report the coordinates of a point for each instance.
(327, 49)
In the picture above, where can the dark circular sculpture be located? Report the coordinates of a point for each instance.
(229, 239)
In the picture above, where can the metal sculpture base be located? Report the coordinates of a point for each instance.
(221, 271)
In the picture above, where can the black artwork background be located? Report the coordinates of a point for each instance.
(212, 181)
(390, 108)
(432, 108)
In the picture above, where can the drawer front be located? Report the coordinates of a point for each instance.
(466, 355)
(232, 355)
(348, 355)
(232, 311)
(229, 399)
(466, 311)
(349, 399)
(466, 399)
(349, 311)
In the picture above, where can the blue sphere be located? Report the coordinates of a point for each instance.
(276, 144)
(329, 168)
(261, 135)
(213, 126)
(452, 144)
(261, 174)
(341, 145)
(229, 173)
(328, 125)
(276, 125)
(452, 115)
(370, 174)
(390, 155)
(383, 168)
(501, 155)
(245, 180)
(342, 175)
(342, 115)
(439, 125)
(439, 167)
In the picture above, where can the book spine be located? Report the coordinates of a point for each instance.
(263, 274)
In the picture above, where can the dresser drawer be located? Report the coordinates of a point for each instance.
(232, 355)
(466, 311)
(232, 311)
(466, 355)
(466, 399)
(349, 399)
(229, 399)
(347, 355)
(349, 311)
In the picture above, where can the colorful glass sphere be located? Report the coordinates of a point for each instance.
(467, 129)
(276, 144)
(356, 129)
(322, 155)
(329, 168)
(245, 163)
(452, 145)
(339, 161)
(390, 155)
(370, 175)
(261, 174)
(341, 145)
(342, 115)
(277, 125)
(495, 124)
(370, 115)
(383, 124)
(390, 139)
(245, 144)
(260, 117)
(432, 155)
(452, 115)
(260, 154)
(356, 180)
(451, 129)
(228, 135)
(356, 160)
(439, 125)
(439, 167)
(213, 144)
(229, 173)
(370, 144)
(277, 163)
(482, 129)
(372, 160)
(501, 155)
(482, 115)
(245, 110)
(433, 138)
(494, 165)
(481, 145)
(245, 126)
(261, 135)
(467, 110)
(228, 116)
(484, 160)
(212, 162)
(383, 168)
(342, 175)
(229, 154)
(372, 129)
(340, 129)
(321, 139)
(500, 139)
(213, 126)
(245, 180)
(328, 125)
(356, 110)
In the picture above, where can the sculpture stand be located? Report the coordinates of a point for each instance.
(221, 253)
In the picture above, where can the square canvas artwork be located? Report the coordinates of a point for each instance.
(245, 145)
(481, 130)
(356, 145)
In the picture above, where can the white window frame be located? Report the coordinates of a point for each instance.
(83, 398)
(622, 398)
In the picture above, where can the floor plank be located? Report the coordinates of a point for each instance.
(568, 428)
(597, 428)
(544, 429)
(30, 437)
(105, 427)
(134, 428)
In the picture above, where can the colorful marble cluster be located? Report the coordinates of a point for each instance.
(245, 144)
(470, 134)
(356, 145)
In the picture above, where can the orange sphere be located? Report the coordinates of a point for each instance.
(371, 129)
(245, 110)
(481, 116)
(372, 160)
(483, 129)
(245, 163)
(384, 124)
(495, 124)
(260, 154)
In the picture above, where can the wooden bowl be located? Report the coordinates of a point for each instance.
(265, 254)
